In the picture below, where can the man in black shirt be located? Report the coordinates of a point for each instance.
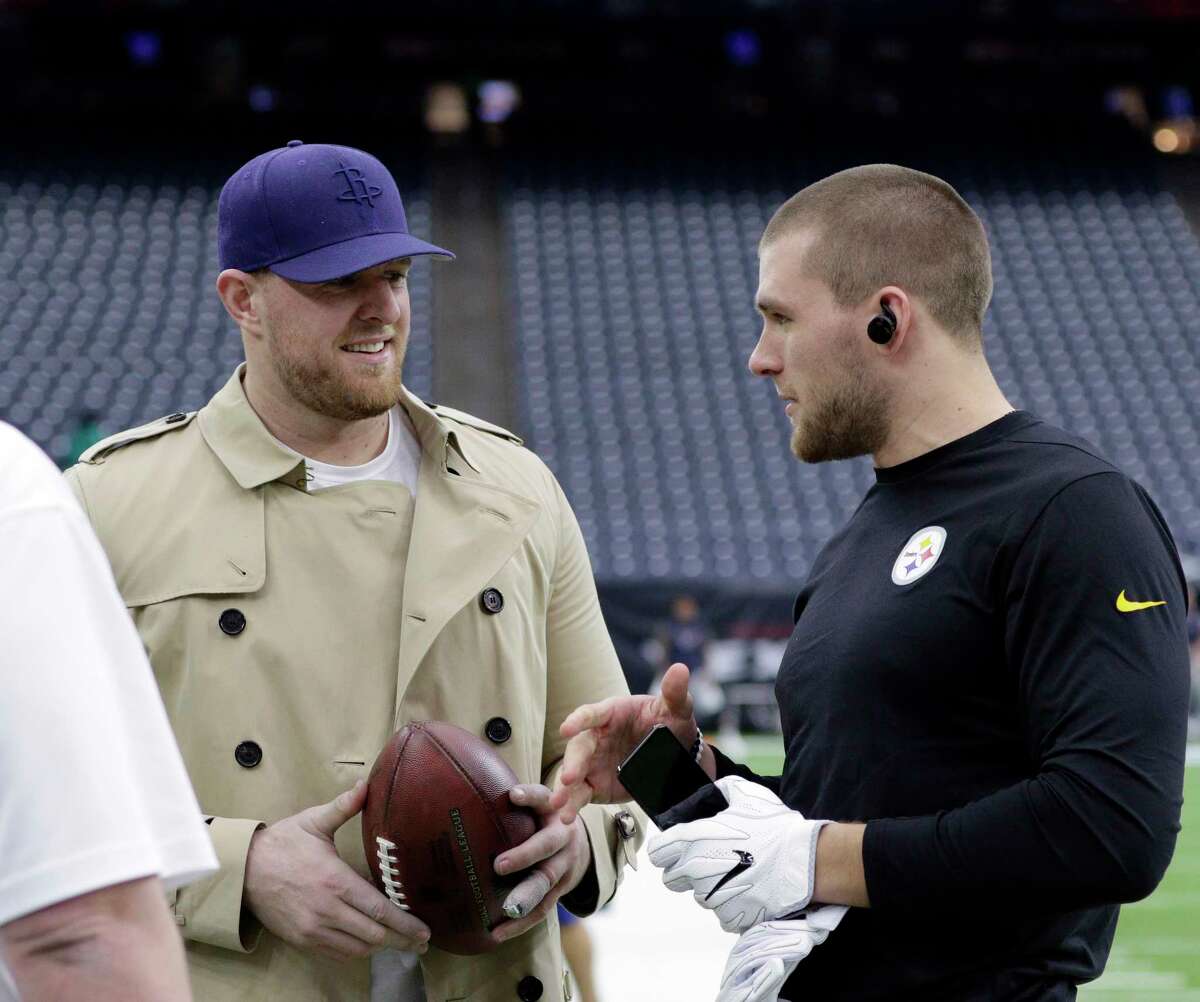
(986, 687)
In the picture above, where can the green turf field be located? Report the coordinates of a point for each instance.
(1156, 955)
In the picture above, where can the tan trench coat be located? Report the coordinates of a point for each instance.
(290, 634)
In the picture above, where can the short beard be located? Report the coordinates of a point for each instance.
(847, 422)
(320, 388)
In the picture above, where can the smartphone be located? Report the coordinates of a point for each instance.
(661, 775)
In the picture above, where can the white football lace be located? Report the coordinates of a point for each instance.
(392, 885)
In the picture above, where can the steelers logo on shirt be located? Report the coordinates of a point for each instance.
(919, 555)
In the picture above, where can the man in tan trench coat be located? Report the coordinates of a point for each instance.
(315, 558)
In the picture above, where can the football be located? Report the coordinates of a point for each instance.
(436, 817)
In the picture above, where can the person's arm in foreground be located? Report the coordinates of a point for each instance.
(97, 818)
(117, 944)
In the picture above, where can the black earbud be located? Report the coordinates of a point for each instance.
(882, 327)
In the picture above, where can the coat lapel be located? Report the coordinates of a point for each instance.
(465, 528)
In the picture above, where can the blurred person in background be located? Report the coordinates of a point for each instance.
(84, 435)
(316, 558)
(97, 818)
(1193, 633)
(984, 697)
(1191, 570)
(684, 638)
(686, 633)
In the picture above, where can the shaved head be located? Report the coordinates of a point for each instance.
(881, 224)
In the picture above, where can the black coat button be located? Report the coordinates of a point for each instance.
(498, 730)
(492, 601)
(232, 622)
(529, 989)
(176, 417)
(248, 754)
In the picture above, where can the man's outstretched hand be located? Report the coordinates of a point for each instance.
(602, 734)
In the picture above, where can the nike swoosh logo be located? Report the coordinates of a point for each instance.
(1125, 605)
(745, 861)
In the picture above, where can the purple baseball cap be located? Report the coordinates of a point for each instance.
(313, 213)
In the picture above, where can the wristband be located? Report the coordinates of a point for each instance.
(698, 745)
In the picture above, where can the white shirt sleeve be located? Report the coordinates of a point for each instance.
(93, 790)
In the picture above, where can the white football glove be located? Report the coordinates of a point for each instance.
(764, 957)
(753, 862)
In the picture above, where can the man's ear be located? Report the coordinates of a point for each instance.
(901, 307)
(240, 294)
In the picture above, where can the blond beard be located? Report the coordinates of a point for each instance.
(847, 422)
(321, 388)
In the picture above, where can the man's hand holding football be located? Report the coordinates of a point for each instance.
(557, 855)
(299, 888)
(603, 734)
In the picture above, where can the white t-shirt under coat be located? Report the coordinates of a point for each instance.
(399, 462)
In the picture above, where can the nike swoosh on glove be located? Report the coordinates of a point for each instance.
(753, 862)
(764, 957)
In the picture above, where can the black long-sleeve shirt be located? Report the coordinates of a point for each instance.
(976, 673)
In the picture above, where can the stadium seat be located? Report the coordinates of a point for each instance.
(633, 293)
(634, 299)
